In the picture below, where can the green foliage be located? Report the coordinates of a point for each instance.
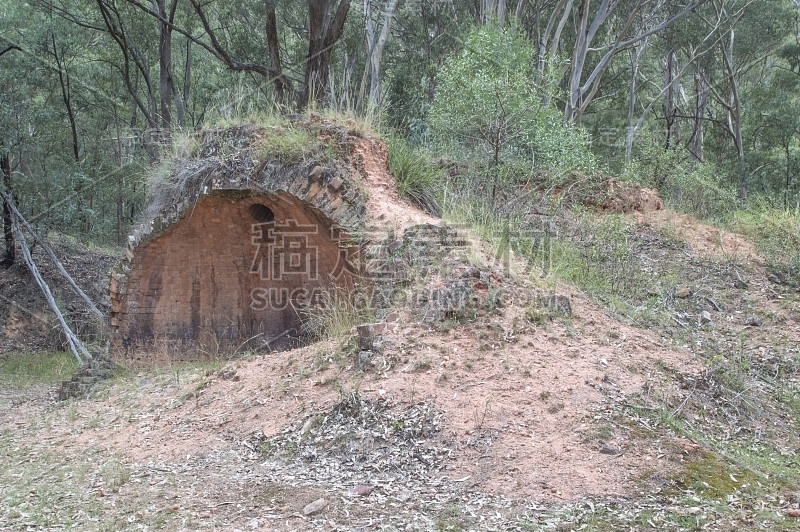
(416, 175)
(699, 189)
(27, 369)
(489, 106)
(699, 192)
(776, 233)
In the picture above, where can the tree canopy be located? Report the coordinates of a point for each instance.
(96, 92)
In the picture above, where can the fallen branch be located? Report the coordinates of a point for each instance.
(77, 289)
(76, 346)
(713, 304)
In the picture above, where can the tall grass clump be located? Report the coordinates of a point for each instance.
(417, 178)
(337, 314)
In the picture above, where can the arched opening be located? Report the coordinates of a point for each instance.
(261, 213)
(236, 271)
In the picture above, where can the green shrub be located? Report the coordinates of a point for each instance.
(685, 185)
(699, 192)
(488, 106)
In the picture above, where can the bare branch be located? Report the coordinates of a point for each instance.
(12, 47)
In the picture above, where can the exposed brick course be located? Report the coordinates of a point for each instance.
(208, 270)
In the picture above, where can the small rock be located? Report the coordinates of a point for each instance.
(254, 523)
(315, 507)
(367, 334)
(362, 490)
(683, 292)
(605, 449)
(738, 283)
(404, 496)
(793, 512)
(205, 515)
(559, 304)
(776, 278)
(753, 321)
(228, 375)
(316, 174)
(336, 183)
(705, 317)
(364, 358)
(308, 424)
(694, 510)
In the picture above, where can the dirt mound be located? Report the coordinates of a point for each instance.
(515, 405)
(704, 239)
(385, 207)
(624, 197)
(522, 390)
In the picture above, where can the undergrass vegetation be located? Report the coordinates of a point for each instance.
(19, 369)
(776, 233)
(287, 144)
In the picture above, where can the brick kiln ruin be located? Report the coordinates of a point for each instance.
(237, 245)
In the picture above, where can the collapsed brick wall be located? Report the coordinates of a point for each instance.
(236, 256)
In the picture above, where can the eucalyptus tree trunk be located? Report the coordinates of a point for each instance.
(734, 108)
(648, 17)
(283, 89)
(636, 56)
(672, 100)
(9, 256)
(696, 144)
(375, 46)
(166, 84)
(66, 96)
(549, 40)
(325, 27)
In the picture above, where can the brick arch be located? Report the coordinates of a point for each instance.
(233, 269)
(198, 272)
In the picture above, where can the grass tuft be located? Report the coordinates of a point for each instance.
(415, 174)
(338, 315)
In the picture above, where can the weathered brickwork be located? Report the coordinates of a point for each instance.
(236, 255)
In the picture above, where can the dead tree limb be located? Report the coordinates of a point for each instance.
(77, 289)
(75, 344)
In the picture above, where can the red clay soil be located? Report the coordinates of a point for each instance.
(385, 208)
